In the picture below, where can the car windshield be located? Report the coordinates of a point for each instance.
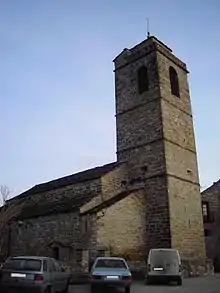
(111, 263)
(161, 257)
(20, 264)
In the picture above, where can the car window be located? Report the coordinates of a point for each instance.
(21, 264)
(111, 263)
(57, 266)
(52, 267)
(163, 256)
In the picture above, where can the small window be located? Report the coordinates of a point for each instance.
(205, 209)
(143, 83)
(174, 82)
(79, 255)
(206, 212)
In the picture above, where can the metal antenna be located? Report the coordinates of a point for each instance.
(148, 28)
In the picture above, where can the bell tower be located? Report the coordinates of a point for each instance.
(155, 136)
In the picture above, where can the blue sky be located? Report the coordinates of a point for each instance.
(57, 82)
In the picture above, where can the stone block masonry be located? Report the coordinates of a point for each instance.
(155, 134)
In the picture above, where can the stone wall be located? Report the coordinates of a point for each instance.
(34, 234)
(217, 239)
(122, 228)
(138, 119)
(157, 213)
(182, 103)
(140, 137)
(212, 196)
(155, 135)
(113, 183)
(4, 243)
(194, 268)
(186, 219)
(71, 231)
(71, 234)
(181, 164)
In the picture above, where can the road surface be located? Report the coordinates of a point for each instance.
(209, 284)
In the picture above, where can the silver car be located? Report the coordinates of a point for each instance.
(33, 274)
(110, 271)
(164, 265)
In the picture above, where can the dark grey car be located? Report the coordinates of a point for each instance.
(33, 274)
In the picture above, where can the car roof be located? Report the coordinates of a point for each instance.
(109, 257)
(30, 257)
(164, 249)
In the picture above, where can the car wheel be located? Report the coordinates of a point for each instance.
(93, 288)
(66, 289)
(48, 290)
(179, 282)
(127, 289)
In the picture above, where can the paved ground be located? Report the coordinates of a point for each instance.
(194, 285)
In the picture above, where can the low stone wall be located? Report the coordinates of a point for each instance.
(78, 274)
(196, 268)
(138, 268)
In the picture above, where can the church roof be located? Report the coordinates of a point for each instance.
(127, 51)
(80, 177)
(214, 186)
(59, 207)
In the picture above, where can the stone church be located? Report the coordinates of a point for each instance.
(148, 198)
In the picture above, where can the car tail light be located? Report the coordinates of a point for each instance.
(38, 278)
(127, 278)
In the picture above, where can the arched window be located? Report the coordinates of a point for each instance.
(174, 82)
(142, 75)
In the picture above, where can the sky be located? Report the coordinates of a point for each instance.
(57, 81)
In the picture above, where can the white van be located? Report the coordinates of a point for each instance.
(164, 264)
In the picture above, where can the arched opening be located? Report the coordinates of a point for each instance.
(143, 83)
(174, 82)
(56, 252)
